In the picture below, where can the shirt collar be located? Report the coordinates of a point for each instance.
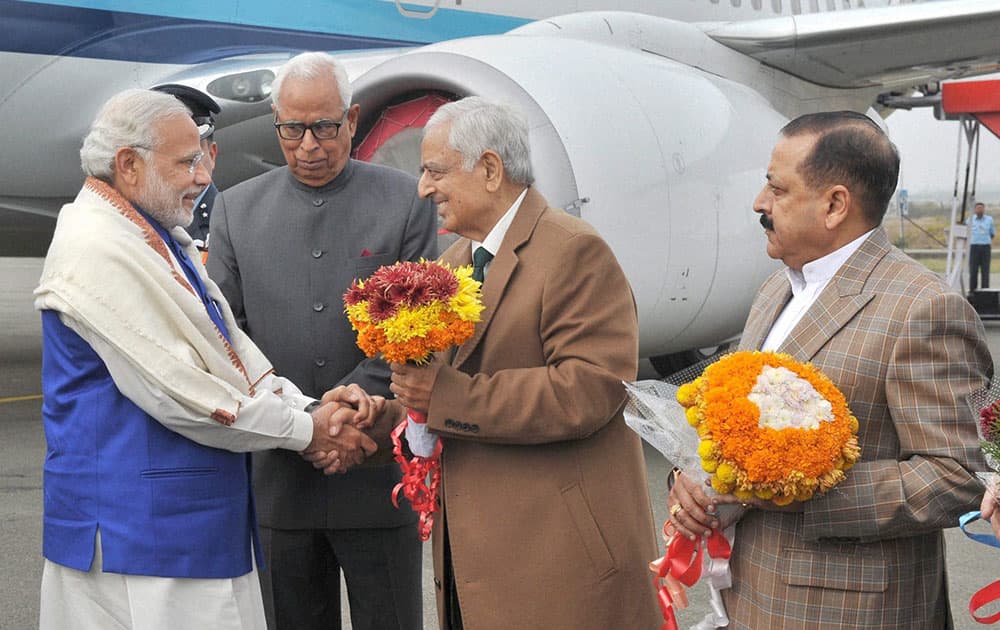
(495, 237)
(821, 270)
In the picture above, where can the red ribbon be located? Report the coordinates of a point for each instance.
(983, 596)
(423, 497)
(683, 562)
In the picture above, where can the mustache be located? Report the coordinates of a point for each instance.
(766, 222)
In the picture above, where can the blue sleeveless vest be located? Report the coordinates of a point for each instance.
(166, 506)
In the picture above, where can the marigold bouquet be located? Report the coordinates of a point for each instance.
(407, 312)
(770, 427)
(757, 424)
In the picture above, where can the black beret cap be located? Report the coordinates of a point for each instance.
(201, 105)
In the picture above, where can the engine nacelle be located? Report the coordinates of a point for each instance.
(662, 158)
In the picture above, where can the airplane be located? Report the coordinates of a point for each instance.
(653, 121)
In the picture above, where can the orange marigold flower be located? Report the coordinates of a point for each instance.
(807, 443)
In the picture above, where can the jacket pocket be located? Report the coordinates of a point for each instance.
(367, 265)
(590, 534)
(862, 572)
(166, 473)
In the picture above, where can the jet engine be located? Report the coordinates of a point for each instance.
(662, 158)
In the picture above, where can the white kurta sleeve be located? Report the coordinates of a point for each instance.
(273, 418)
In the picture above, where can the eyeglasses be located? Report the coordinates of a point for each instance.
(324, 129)
(190, 163)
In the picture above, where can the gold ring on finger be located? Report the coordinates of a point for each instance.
(675, 509)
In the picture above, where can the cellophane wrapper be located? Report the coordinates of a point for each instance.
(980, 402)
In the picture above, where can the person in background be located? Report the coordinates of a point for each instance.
(906, 351)
(153, 397)
(286, 245)
(981, 233)
(545, 518)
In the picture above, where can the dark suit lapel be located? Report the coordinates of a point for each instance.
(502, 268)
(839, 302)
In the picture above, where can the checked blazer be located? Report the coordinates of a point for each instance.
(906, 351)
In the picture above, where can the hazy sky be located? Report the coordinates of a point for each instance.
(928, 148)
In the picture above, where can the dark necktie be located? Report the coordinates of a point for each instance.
(480, 258)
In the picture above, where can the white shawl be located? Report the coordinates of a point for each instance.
(110, 271)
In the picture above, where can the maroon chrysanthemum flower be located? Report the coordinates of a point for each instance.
(989, 419)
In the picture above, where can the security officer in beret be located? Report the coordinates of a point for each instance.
(202, 107)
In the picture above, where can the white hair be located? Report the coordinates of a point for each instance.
(479, 125)
(312, 65)
(126, 120)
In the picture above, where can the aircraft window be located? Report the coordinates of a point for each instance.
(757, 4)
(776, 6)
(796, 7)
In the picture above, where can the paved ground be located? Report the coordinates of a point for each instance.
(22, 449)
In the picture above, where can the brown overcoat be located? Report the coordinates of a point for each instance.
(906, 351)
(543, 485)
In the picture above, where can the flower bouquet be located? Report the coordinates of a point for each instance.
(988, 402)
(407, 312)
(758, 425)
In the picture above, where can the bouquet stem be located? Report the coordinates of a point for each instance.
(682, 563)
(421, 493)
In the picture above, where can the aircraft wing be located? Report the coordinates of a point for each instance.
(852, 49)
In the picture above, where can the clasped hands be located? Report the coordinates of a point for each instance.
(339, 439)
(694, 513)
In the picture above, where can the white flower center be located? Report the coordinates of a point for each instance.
(786, 400)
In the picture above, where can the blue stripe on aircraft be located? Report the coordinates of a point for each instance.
(98, 29)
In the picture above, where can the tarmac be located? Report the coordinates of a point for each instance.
(22, 450)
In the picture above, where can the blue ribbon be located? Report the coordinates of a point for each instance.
(986, 539)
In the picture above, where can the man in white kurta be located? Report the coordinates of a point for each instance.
(153, 397)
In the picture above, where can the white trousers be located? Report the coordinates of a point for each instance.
(96, 600)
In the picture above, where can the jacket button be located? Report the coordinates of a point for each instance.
(318, 306)
(320, 362)
(316, 253)
(317, 202)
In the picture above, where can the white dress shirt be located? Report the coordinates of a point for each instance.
(494, 239)
(806, 287)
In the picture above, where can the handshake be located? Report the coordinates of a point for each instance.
(342, 424)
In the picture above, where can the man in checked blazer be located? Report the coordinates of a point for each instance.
(904, 349)
(545, 519)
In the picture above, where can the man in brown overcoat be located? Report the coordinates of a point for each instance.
(545, 519)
